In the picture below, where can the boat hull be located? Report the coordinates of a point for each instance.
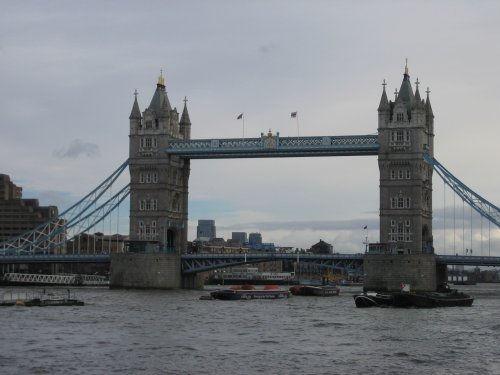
(373, 300)
(230, 294)
(432, 299)
(312, 290)
(405, 299)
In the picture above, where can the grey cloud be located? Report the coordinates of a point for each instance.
(315, 225)
(76, 148)
(268, 48)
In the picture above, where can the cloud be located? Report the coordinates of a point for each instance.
(268, 48)
(76, 148)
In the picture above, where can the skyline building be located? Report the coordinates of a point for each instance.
(18, 215)
(206, 230)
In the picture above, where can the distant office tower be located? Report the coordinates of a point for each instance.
(255, 239)
(206, 230)
(19, 215)
(240, 236)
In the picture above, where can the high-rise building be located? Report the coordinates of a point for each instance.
(240, 236)
(206, 230)
(18, 215)
(255, 239)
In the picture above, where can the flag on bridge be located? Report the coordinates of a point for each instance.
(293, 114)
(365, 227)
(239, 117)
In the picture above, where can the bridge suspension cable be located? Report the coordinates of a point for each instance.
(80, 217)
(478, 203)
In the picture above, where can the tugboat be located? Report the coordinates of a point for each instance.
(443, 297)
(247, 292)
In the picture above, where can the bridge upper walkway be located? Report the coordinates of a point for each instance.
(274, 146)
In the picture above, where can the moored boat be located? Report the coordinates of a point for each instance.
(373, 300)
(247, 292)
(432, 299)
(315, 290)
(41, 299)
(444, 297)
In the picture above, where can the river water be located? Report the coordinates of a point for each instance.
(174, 332)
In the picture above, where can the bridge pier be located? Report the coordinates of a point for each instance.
(386, 272)
(156, 271)
(195, 281)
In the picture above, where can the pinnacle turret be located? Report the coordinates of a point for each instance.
(428, 107)
(136, 112)
(384, 102)
(185, 115)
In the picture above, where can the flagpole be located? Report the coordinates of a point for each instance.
(242, 117)
(298, 135)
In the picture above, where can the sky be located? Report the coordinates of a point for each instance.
(68, 71)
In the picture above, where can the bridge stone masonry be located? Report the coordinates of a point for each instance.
(161, 149)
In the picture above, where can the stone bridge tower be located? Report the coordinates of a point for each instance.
(405, 253)
(158, 196)
(158, 181)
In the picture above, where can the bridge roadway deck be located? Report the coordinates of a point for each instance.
(203, 262)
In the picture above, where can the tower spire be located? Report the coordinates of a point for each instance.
(161, 80)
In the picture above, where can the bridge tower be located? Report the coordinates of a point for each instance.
(405, 253)
(158, 196)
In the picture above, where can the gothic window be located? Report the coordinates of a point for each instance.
(400, 202)
(141, 178)
(156, 123)
(393, 174)
(400, 136)
(148, 142)
(149, 124)
(155, 177)
(148, 205)
(400, 232)
(408, 174)
(148, 178)
(400, 117)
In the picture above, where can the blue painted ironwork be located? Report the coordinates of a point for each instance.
(80, 217)
(194, 263)
(478, 203)
(468, 260)
(274, 146)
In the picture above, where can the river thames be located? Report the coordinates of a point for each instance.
(174, 332)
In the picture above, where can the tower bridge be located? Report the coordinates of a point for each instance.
(161, 150)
